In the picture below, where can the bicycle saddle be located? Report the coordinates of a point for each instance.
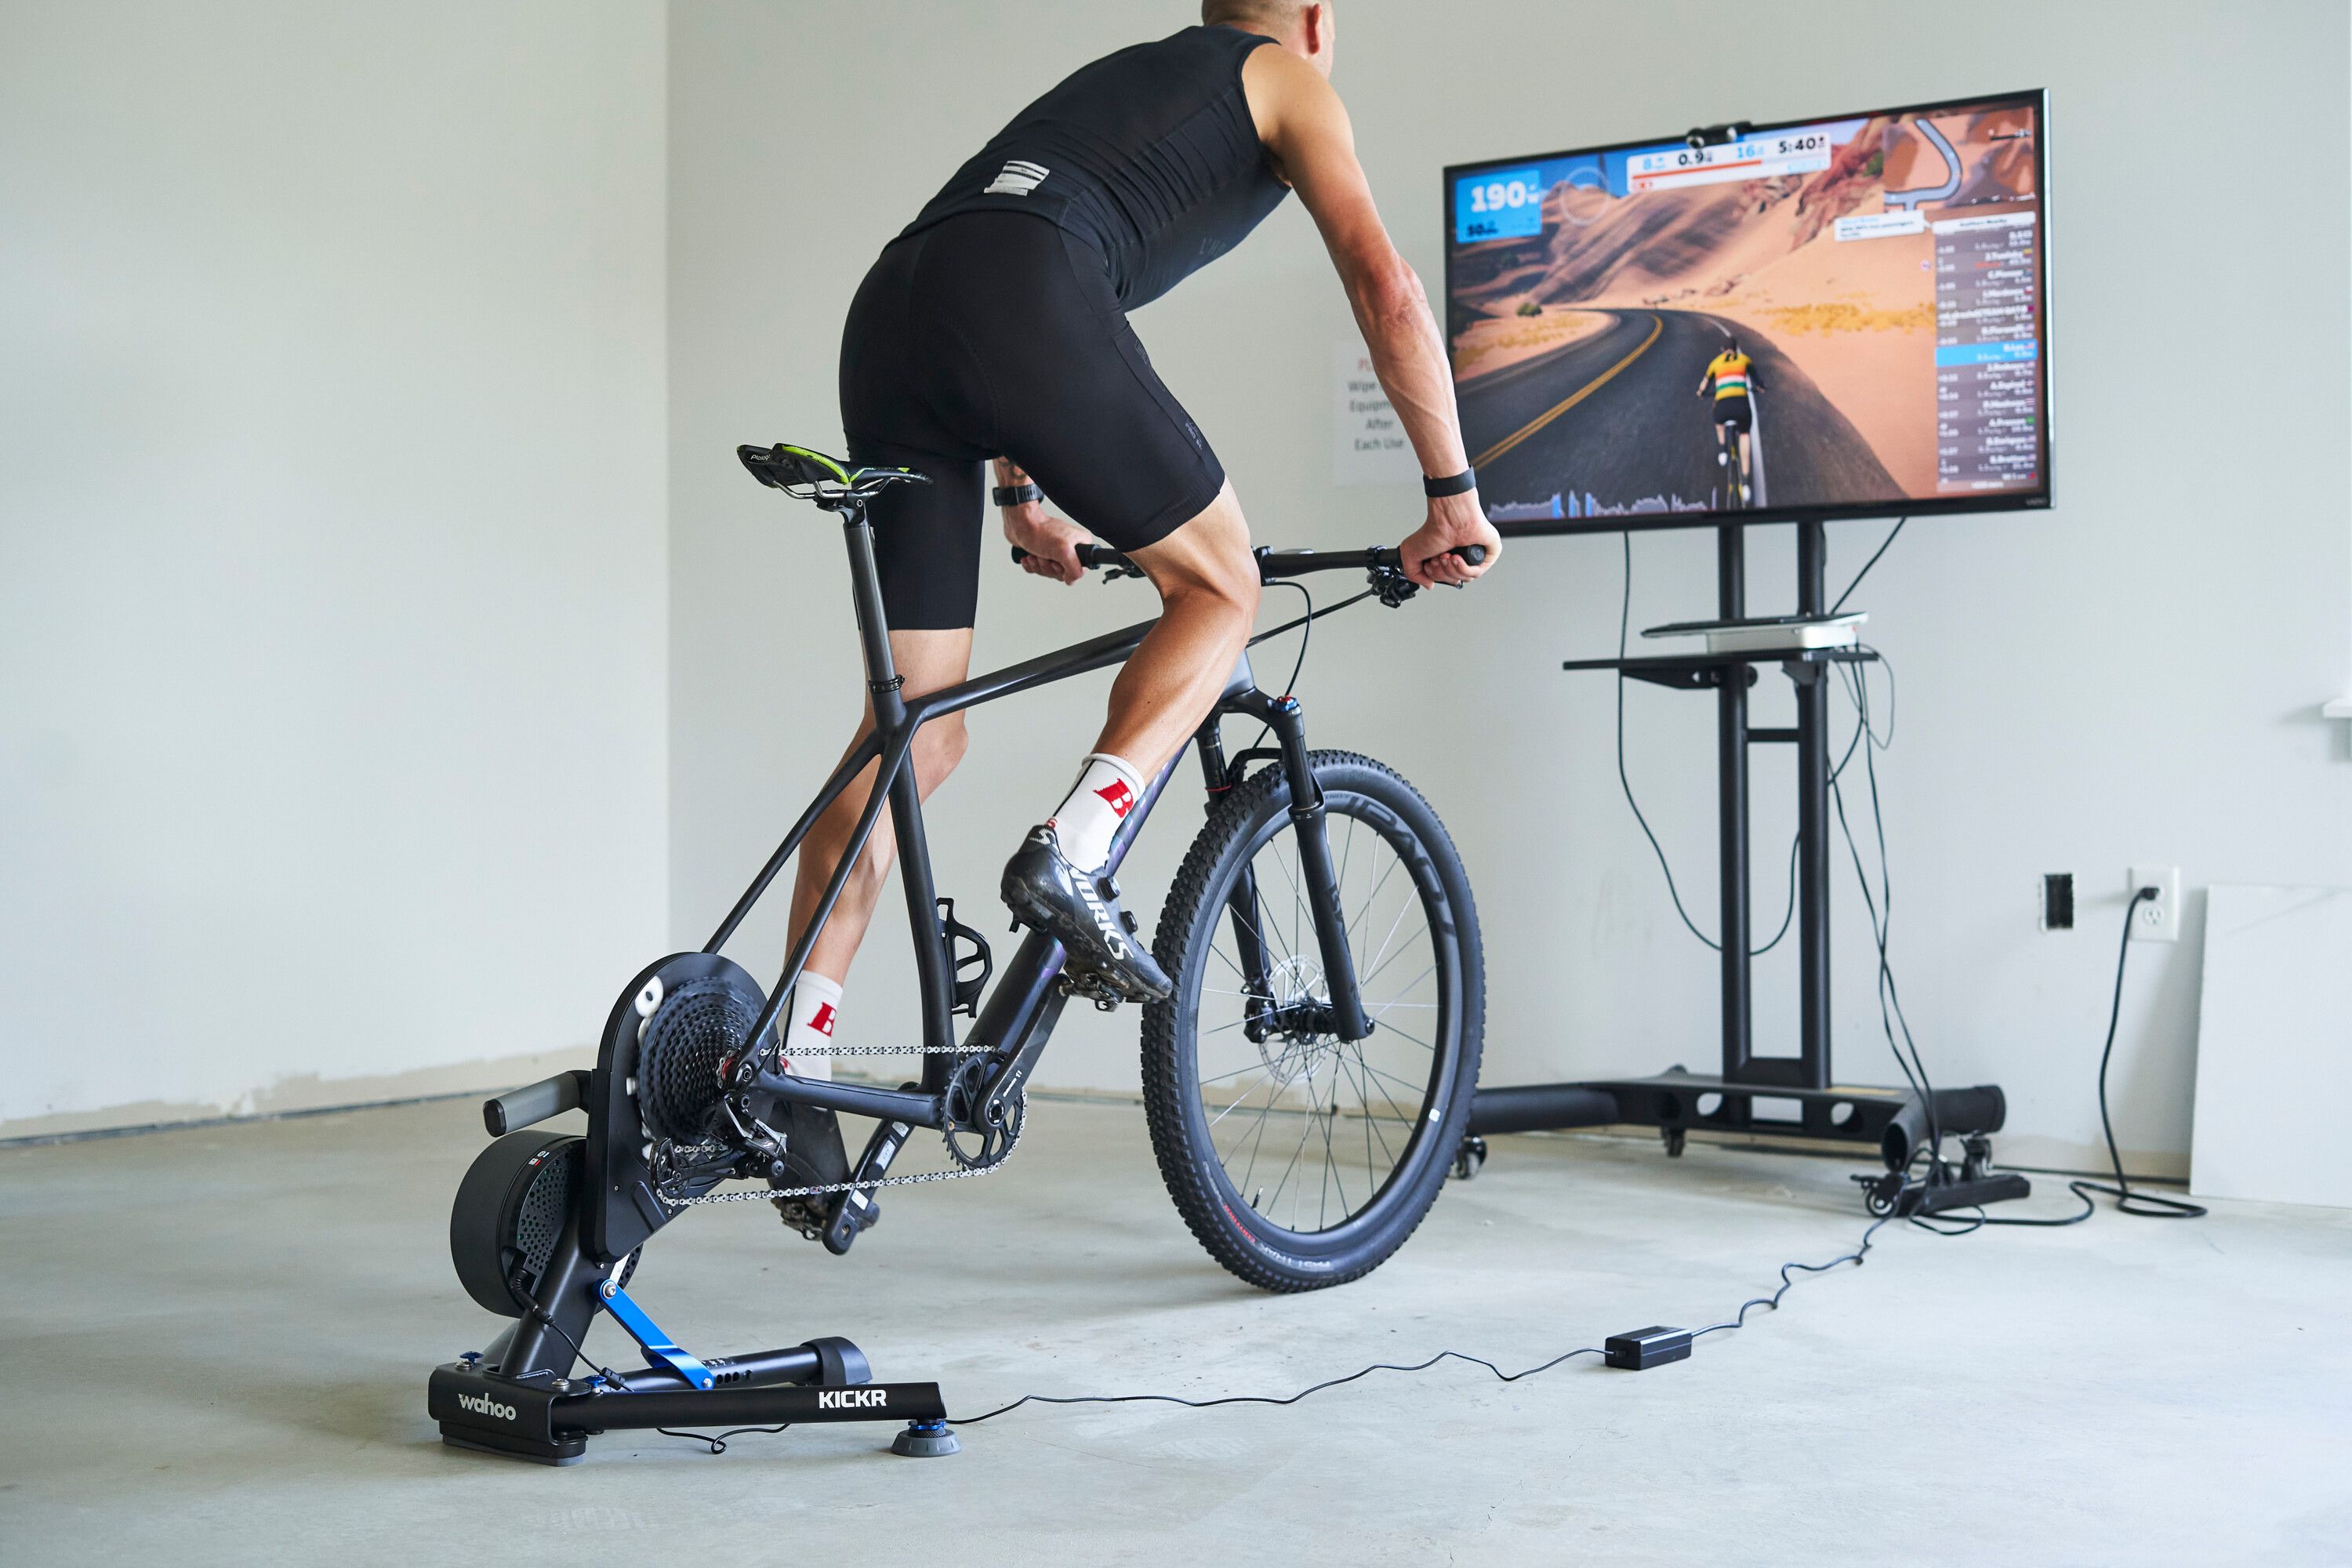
(811, 476)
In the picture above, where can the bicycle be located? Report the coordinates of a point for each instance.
(689, 1091)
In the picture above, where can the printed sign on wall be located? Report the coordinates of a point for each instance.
(1368, 442)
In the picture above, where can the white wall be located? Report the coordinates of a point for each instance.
(332, 590)
(2133, 677)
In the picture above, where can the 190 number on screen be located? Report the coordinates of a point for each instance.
(1498, 205)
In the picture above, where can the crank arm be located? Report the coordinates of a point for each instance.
(856, 1210)
(1013, 1067)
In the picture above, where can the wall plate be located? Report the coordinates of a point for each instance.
(2157, 919)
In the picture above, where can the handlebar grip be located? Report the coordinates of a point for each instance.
(1089, 556)
(1472, 554)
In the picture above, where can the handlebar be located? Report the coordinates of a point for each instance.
(1274, 563)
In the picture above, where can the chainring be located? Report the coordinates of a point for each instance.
(966, 1116)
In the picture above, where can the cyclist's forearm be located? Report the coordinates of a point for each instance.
(1409, 357)
(1010, 474)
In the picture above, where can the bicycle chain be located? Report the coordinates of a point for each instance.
(769, 1195)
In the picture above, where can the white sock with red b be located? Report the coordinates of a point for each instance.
(816, 1003)
(1107, 790)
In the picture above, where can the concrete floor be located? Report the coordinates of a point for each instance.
(214, 1345)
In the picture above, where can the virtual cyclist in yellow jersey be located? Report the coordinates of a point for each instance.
(1732, 374)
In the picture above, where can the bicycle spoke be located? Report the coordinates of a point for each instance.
(1405, 1084)
(1289, 1065)
(1371, 1121)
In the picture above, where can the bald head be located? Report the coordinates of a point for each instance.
(1269, 14)
(1303, 27)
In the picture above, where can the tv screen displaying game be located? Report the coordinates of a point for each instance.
(1834, 317)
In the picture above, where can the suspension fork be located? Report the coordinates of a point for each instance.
(1321, 882)
(1242, 904)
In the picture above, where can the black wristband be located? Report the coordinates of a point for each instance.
(1460, 484)
(1018, 495)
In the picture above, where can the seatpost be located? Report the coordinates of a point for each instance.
(882, 682)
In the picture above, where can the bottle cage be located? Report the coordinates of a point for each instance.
(967, 990)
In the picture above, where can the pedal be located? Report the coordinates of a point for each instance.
(1092, 987)
(857, 1210)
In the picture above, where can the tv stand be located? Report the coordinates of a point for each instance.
(1772, 1096)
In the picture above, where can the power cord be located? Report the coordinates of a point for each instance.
(2139, 1203)
(2154, 1206)
(1787, 913)
(1649, 1347)
(1881, 908)
(1866, 565)
(1621, 1351)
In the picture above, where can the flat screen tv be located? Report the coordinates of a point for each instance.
(1830, 318)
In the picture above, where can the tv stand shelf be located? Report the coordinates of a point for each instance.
(1670, 1101)
(1696, 671)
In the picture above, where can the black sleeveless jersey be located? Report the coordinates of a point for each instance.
(1149, 154)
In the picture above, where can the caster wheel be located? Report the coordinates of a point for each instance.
(1674, 1139)
(1469, 1158)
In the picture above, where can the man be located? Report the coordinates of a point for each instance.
(1730, 374)
(994, 328)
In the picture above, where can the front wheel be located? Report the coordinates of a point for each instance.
(1300, 1160)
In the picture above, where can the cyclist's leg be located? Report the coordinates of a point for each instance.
(927, 660)
(927, 556)
(1052, 376)
(1208, 586)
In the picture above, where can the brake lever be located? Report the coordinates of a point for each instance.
(1392, 585)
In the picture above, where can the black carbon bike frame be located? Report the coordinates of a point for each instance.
(1011, 1030)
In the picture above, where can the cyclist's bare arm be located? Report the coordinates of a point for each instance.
(1305, 128)
(1051, 541)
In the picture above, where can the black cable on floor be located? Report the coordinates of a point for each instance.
(718, 1442)
(1772, 1304)
(1500, 1376)
(2136, 1202)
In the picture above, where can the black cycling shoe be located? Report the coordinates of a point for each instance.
(814, 1157)
(1081, 911)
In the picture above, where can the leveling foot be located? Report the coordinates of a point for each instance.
(925, 1440)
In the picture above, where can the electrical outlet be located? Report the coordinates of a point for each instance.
(2058, 900)
(2157, 918)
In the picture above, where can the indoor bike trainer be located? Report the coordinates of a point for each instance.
(691, 1091)
(1789, 1097)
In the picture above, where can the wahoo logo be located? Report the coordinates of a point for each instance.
(1113, 938)
(821, 1020)
(1018, 178)
(483, 1405)
(854, 1399)
(1119, 797)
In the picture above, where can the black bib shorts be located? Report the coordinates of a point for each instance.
(998, 334)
